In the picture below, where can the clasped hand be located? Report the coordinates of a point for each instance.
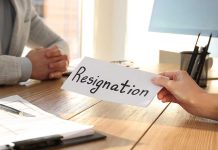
(47, 63)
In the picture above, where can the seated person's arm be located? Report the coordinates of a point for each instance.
(14, 69)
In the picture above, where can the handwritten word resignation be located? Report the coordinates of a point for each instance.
(125, 87)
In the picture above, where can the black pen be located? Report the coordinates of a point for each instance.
(14, 111)
(193, 57)
(203, 55)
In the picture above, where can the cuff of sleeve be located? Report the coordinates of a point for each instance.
(26, 69)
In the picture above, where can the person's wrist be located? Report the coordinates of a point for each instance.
(196, 94)
(204, 105)
(211, 106)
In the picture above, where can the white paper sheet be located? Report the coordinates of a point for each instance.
(112, 82)
(17, 128)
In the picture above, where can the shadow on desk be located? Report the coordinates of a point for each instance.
(175, 118)
(123, 112)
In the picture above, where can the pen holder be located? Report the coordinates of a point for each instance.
(185, 59)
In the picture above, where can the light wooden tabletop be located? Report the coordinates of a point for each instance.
(158, 126)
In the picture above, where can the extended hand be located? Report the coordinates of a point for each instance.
(180, 88)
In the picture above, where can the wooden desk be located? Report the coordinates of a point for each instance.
(159, 126)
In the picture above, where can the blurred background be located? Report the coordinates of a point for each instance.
(62, 16)
(114, 30)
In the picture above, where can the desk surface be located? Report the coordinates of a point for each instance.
(158, 126)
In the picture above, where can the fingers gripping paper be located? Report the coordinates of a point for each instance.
(112, 82)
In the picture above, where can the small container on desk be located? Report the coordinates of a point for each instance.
(185, 60)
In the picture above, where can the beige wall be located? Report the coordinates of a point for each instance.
(104, 37)
(110, 29)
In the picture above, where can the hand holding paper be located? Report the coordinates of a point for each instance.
(112, 82)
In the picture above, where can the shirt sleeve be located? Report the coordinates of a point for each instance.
(26, 69)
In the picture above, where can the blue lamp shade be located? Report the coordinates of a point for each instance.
(185, 17)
